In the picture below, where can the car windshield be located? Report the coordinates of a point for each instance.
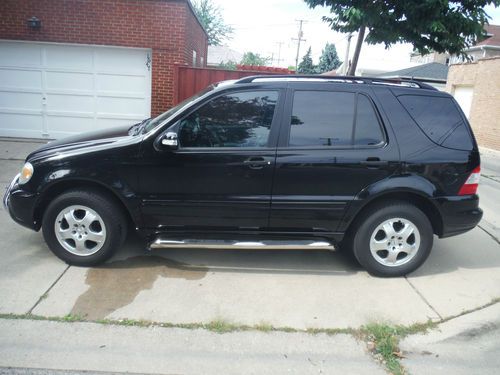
(151, 124)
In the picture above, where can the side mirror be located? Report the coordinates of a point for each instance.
(170, 141)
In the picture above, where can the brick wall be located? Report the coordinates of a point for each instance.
(484, 77)
(195, 41)
(161, 25)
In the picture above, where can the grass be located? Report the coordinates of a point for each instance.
(386, 338)
(217, 325)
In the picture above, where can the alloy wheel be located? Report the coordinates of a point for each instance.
(80, 230)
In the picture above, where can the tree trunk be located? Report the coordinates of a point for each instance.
(359, 43)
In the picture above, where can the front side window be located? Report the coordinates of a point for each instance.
(240, 119)
(325, 118)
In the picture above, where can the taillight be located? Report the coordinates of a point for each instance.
(470, 186)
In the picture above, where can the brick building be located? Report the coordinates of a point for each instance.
(476, 87)
(68, 66)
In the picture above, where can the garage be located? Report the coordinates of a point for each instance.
(52, 90)
(463, 95)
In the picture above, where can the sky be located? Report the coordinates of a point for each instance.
(263, 26)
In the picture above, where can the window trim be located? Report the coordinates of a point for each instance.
(273, 131)
(284, 143)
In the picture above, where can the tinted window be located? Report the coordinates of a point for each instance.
(234, 120)
(322, 118)
(439, 118)
(368, 131)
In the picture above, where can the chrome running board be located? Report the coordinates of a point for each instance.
(163, 243)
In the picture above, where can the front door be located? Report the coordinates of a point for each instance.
(334, 146)
(220, 178)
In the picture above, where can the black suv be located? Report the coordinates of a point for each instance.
(280, 162)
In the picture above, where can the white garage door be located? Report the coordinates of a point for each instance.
(463, 95)
(53, 90)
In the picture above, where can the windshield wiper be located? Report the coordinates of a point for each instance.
(137, 128)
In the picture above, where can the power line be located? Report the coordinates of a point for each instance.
(279, 59)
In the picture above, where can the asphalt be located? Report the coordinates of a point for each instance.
(297, 289)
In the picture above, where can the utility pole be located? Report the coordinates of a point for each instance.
(357, 50)
(346, 59)
(279, 52)
(299, 39)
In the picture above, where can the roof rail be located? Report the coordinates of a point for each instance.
(338, 79)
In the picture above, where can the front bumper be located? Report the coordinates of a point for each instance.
(459, 214)
(20, 204)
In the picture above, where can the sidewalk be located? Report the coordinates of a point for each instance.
(89, 346)
(466, 345)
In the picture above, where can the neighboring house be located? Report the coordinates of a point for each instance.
(489, 47)
(442, 58)
(371, 67)
(476, 87)
(222, 54)
(432, 73)
(68, 66)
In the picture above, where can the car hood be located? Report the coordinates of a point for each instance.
(83, 141)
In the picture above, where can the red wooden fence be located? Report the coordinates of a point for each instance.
(188, 80)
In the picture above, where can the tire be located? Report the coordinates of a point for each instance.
(84, 227)
(392, 239)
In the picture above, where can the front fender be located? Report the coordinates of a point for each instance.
(105, 173)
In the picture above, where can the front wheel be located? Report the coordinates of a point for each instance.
(83, 227)
(393, 239)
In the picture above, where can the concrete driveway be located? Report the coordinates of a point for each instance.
(295, 289)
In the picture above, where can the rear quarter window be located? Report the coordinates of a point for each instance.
(440, 119)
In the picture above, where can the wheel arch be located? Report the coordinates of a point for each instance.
(418, 199)
(62, 186)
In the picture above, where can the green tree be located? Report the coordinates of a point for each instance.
(329, 60)
(306, 66)
(211, 18)
(228, 65)
(251, 58)
(446, 26)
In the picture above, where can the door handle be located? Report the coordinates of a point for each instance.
(257, 162)
(374, 162)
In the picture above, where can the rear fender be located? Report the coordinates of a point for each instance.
(403, 187)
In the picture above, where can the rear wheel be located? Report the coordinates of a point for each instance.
(393, 239)
(83, 227)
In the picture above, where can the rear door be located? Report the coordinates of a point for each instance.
(333, 145)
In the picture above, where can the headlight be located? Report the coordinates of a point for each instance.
(26, 173)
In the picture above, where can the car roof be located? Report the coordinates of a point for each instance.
(297, 78)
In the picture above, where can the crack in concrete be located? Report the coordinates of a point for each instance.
(44, 295)
(423, 298)
(489, 234)
(492, 178)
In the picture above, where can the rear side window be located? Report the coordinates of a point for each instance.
(324, 118)
(440, 119)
